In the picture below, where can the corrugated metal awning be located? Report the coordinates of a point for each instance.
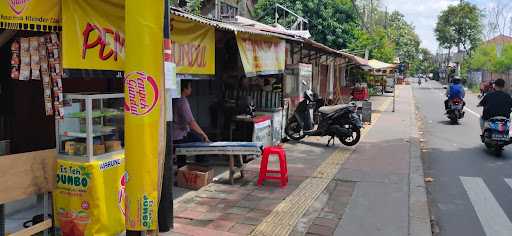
(228, 26)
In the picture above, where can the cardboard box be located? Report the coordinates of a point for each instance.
(194, 177)
(98, 149)
(113, 145)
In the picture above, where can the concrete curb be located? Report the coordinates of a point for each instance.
(419, 215)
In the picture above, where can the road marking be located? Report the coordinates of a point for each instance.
(509, 182)
(282, 220)
(472, 112)
(492, 217)
(465, 108)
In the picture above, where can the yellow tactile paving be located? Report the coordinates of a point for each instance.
(282, 220)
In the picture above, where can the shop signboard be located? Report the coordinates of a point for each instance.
(192, 47)
(89, 197)
(144, 114)
(93, 34)
(293, 83)
(261, 55)
(263, 130)
(35, 15)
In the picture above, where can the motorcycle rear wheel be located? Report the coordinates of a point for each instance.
(351, 140)
(294, 131)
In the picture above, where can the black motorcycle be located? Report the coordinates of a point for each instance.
(455, 110)
(339, 121)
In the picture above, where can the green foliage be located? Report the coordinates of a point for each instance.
(194, 6)
(504, 62)
(459, 26)
(403, 34)
(331, 22)
(483, 58)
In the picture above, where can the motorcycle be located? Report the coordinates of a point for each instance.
(338, 121)
(496, 134)
(455, 110)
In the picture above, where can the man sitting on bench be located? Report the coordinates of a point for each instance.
(185, 128)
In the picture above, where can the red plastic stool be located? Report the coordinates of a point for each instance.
(283, 169)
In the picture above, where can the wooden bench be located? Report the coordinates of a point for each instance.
(231, 149)
(27, 174)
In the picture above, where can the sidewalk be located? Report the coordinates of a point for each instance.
(332, 191)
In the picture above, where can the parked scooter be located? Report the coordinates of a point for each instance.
(338, 121)
(455, 110)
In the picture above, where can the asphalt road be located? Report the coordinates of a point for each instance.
(471, 192)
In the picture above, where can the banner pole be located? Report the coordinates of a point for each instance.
(144, 109)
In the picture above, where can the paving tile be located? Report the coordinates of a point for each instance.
(321, 230)
(189, 214)
(182, 220)
(248, 204)
(210, 216)
(221, 225)
(199, 223)
(326, 222)
(259, 213)
(207, 201)
(230, 217)
(268, 204)
(329, 215)
(201, 208)
(227, 203)
(250, 220)
(202, 231)
(242, 229)
(239, 210)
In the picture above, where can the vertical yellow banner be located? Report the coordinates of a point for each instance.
(143, 103)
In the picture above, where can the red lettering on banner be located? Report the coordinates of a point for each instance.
(101, 40)
(188, 54)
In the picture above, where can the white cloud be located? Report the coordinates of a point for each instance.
(423, 15)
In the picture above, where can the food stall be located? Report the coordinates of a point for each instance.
(89, 198)
(30, 92)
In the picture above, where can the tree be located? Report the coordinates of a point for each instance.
(403, 34)
(459, 26)
(483, 58)
(331, 22)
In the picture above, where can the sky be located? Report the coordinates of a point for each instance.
(423, 15)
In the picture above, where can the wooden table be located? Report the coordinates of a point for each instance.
(231, 149)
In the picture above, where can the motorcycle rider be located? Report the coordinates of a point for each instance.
(496, 103)
(454, 91)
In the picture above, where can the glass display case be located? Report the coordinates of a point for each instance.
(92, 127)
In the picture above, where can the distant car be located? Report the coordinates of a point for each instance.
(390, 85)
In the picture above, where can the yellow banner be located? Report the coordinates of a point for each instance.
(36, 15)
(89, 197)
(261, 55)
(192, 47)
(93, 34)
(144, 99)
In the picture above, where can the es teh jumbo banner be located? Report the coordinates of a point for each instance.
(89, 197)
(144, 121)
(261, 55)
(93, 34)
(192, 46)
(35, 15)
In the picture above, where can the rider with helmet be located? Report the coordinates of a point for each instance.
(454, 91)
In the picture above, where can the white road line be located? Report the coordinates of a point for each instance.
(472, 112)
(509, 182)
(467, 109)
(492, 217)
